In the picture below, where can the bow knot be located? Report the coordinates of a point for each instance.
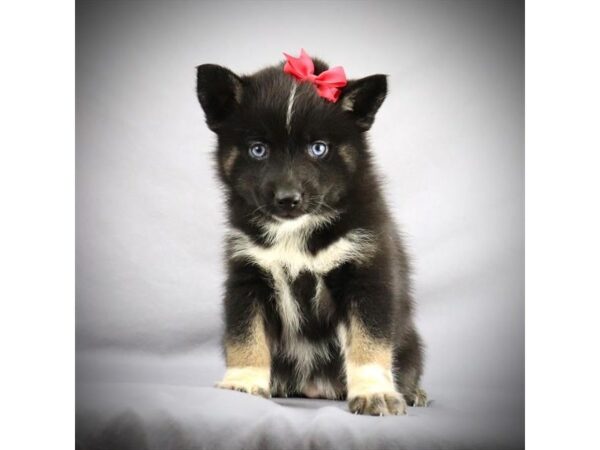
(327, 83)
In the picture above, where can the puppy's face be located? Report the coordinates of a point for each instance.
(283, 150)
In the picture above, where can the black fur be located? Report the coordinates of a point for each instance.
(243, 110)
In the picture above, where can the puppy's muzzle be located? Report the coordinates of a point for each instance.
(288, 202)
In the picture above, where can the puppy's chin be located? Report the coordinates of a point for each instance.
(289, 215)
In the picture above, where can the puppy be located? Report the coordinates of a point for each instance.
(317, 299)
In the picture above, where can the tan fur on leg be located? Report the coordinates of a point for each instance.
(248, 362)
(371, 387)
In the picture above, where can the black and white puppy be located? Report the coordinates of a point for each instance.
(318, 299)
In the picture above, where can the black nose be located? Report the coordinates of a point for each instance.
(288, 199)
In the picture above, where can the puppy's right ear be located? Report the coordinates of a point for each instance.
(219, 92)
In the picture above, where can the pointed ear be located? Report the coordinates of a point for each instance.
(362, 98)
(219, 92)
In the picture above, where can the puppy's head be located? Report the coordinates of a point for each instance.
(284, 151)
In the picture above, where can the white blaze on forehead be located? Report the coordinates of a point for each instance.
(290, 108)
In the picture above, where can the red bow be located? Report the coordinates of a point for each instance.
(327, 83)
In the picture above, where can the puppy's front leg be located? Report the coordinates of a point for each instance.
(371, 387)
(246, 347)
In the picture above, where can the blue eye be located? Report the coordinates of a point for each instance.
(258, 150)
(318, 149)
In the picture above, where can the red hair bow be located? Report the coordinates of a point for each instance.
(328, 83)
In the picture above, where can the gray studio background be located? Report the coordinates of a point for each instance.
(449, 139)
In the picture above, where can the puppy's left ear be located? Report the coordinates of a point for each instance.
(362, 98)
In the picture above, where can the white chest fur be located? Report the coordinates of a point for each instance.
(288, 248)
(287, 257)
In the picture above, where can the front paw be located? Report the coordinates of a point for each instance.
(378, 404)
(251, 380)
(244, 387)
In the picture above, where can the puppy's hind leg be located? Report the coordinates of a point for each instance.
(408, 368)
